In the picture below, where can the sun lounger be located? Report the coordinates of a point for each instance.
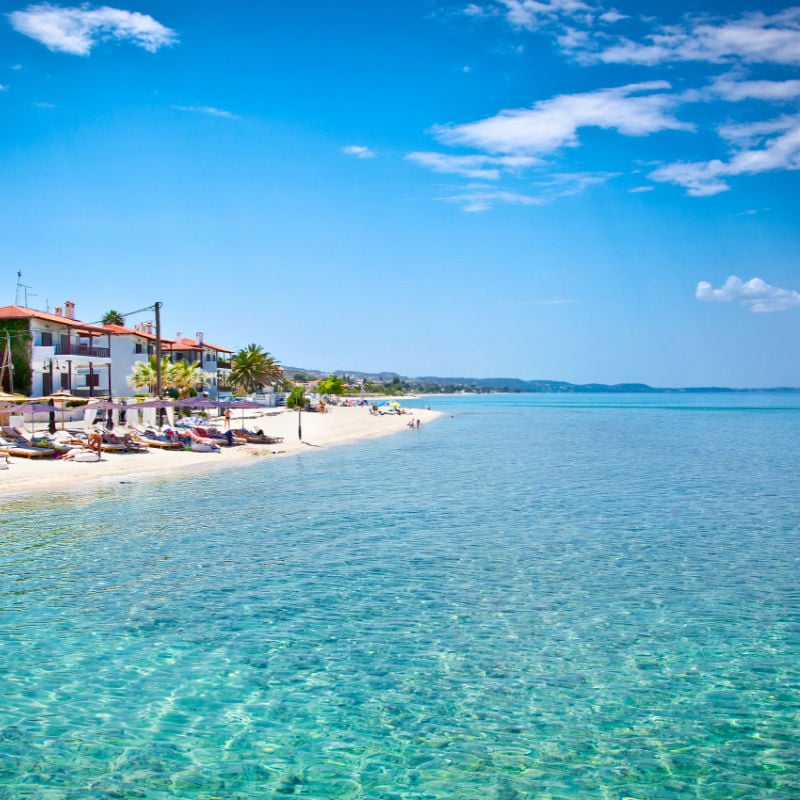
(25, 450)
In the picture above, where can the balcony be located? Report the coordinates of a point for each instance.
(77, 349)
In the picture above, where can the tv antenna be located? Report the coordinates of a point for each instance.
(23, 289)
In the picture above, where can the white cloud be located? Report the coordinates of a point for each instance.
(757, 295)
(531, 14)
(611, 16)
(210, 110)
(44, 104)
(633, 110)
(474, 10)
(477, 167)
(78, 30)
(359, 151)
(753, 38)
(565, 184)
(778, 152)
(475, 199)
(730, 89)
(3, 88)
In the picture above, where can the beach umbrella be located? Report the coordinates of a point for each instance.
(157, 403)
(196, 402)
(104, 405)
(30, 408)
(60, 399)
(244, 404)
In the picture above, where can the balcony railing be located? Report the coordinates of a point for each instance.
(82, 350)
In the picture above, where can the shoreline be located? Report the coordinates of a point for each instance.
(339, 426)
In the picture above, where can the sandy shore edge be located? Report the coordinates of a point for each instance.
(339, 426)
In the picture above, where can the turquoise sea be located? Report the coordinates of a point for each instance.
(534, 596)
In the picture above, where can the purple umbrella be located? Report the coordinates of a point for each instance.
(158, 403)
(243, 404)
(196, 402)
(30, 408)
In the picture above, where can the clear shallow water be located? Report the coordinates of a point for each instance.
(536, 597)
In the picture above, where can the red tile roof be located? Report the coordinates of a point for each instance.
(121, 330)
(20, 312)
(192, 344)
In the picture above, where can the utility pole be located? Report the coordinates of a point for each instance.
(157, 308)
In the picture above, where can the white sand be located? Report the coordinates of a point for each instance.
(338, 425)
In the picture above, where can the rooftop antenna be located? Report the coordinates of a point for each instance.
(24, 287)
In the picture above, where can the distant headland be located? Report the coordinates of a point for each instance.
(429, 384)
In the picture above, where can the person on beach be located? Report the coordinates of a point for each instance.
(227, 416)
(95, 441)
(417, 424)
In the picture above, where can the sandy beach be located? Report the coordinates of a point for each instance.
(339, 425)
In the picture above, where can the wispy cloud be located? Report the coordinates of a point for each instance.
(480, 198)
(757, 295)
(78, 30)
(764, 147)
(565, 184)
(210, 110)
(476, 167)
(532, 14)
(637, 109)
(359, 151)
(752, 38)
(728, 88)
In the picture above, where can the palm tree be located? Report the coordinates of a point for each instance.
(184, 376)
(180, 376)
(144, 374)
(113, 318)
(253, 367)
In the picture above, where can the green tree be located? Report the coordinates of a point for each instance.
(113, 318)
(333, 384)
(185, 376)
(179, 378)
(296, 398)
(144, 374)
(253, 367)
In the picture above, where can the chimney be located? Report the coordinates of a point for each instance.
(179, 336)
(59, 312)
(148, 326)
(199, 337)
(69, 309)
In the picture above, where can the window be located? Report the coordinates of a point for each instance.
(93, 380)
(138, 348)
(47, 339)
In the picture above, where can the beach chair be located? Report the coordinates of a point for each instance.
(23, 450)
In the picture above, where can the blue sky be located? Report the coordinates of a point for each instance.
(567, 189)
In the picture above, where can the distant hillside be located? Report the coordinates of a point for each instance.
(433, 383)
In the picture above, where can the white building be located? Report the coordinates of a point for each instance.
(214, 360)
(62, 352)
(128, 346)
